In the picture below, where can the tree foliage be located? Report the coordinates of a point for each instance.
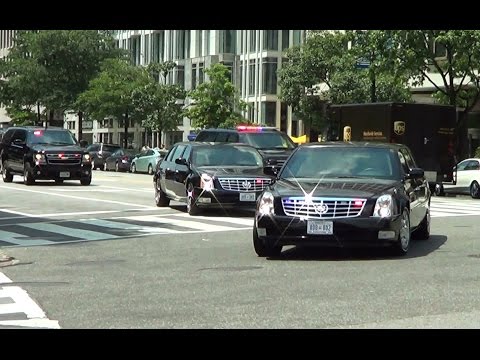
(216, 102)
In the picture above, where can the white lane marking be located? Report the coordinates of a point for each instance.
(152, 191)
(88, 190)
(112, 224)
(79, 233)
(20, 239)
(4, 279)
(32, 323)
(16, 213)
(80, 197)
(182, 223)
(232, 220)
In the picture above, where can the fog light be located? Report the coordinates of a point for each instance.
(38, 172)
(262, 232)
(386, 234)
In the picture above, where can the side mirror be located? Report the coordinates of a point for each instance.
(415, 173)
(181, 161)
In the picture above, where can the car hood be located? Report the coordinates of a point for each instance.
(363, 188)
(275, 153)
(231, 171)
(58, 148)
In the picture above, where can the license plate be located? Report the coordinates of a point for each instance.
(204, 200)
(319, 227)
(247, 197)
(65, 174)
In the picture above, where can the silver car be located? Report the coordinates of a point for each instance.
(146, 161)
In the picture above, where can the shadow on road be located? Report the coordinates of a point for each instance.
(418, 248)
(218, 212)
(75, 183)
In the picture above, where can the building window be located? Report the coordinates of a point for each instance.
(71, 125)
(297, 37)
(228, 41)
(241, 41)
(200, 73)
(207, 42)
(187, 44)
(251, 111)
(269, 112)
(180, 76)
(269, 73)
(146, 49)
(194, 76)
(229, 66)
(158, 40)
(253, 40)
(105, 123)
(240, 85)
(285, 39)
(270, 40)
(440, 50)
(181, 44)
(283, 116)
(251, 78)
(199, 43)
(170, 45)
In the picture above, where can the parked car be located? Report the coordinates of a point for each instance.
(38, 153)
(466, 179)
(344, 194)
(146, 161)
(120, 160)
(99, 152)
(275, 146)
(205, 175)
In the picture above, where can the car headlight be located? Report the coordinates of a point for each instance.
(206, 182)
(86, 157)
(383, 206)
(265, 205)
(40, 159)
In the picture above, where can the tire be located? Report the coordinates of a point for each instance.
(117, 169)
(161, 198)
(402, 244)
(192, 207)
(423, 231)
(28, 178)
(6, 176)
(133, 169)
(150, 169)
(475, 190)
(86, 181)
(263, 248)
(58, 181)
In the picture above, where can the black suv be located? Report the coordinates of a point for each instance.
(274, 145)
(43, 154)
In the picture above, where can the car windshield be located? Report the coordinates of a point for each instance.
(110, 148)
(51, 137)
(341, 162)
(267, 140)
(226, 156)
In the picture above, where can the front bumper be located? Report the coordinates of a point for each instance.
(223, 199)
(347, 232)
(58, 172)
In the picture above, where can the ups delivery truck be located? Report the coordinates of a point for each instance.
(428, 130)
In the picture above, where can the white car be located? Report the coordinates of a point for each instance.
(466, 179)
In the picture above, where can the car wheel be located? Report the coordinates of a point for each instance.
(59, 181)
(86, 181)
(117, 169)
(150, 169)
(475, 190)
(6, 176)
(161, 198)
(439, 190)
(192, 207)
(134, 168)
(28, 178)
(423, 231)
(263, 248)
(402, 244)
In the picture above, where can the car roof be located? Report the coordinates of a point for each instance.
(33, 128)
(216, 144)
(222, 130)
(353, 144)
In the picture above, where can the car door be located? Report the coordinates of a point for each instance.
(6, 146)
(173, 176)
(471, 173)
(421, 190)
(460, 177)
(167, 171)
(18, 148)
(181, 173)
(409, 187)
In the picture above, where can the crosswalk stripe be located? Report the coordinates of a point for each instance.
(84, 234)
(183, 223)
(19, 239)
(232, 220)
(127, 226)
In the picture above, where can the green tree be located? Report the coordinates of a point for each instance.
(52, 67)
(110, 94)
(216, 102)
(159, 103)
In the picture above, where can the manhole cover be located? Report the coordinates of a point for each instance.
(233, 268)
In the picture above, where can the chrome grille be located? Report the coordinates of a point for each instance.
(244, 184)
(64, 159)
(325, 208)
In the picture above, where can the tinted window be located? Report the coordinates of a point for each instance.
(222, 137)
(226, 156)
(206, 136)
(7, 137)
(463, 165)
(110, 148)
(150, 153)
(170, 154)
(408, 157)
(267, 140)
(319, 162)
(403, 162)
(20, 134)
(187, 152)
(178, 152)
(473, 165)
(51, 137)
(93, 147)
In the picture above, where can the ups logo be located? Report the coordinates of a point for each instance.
(347, 133)
(399, 127)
